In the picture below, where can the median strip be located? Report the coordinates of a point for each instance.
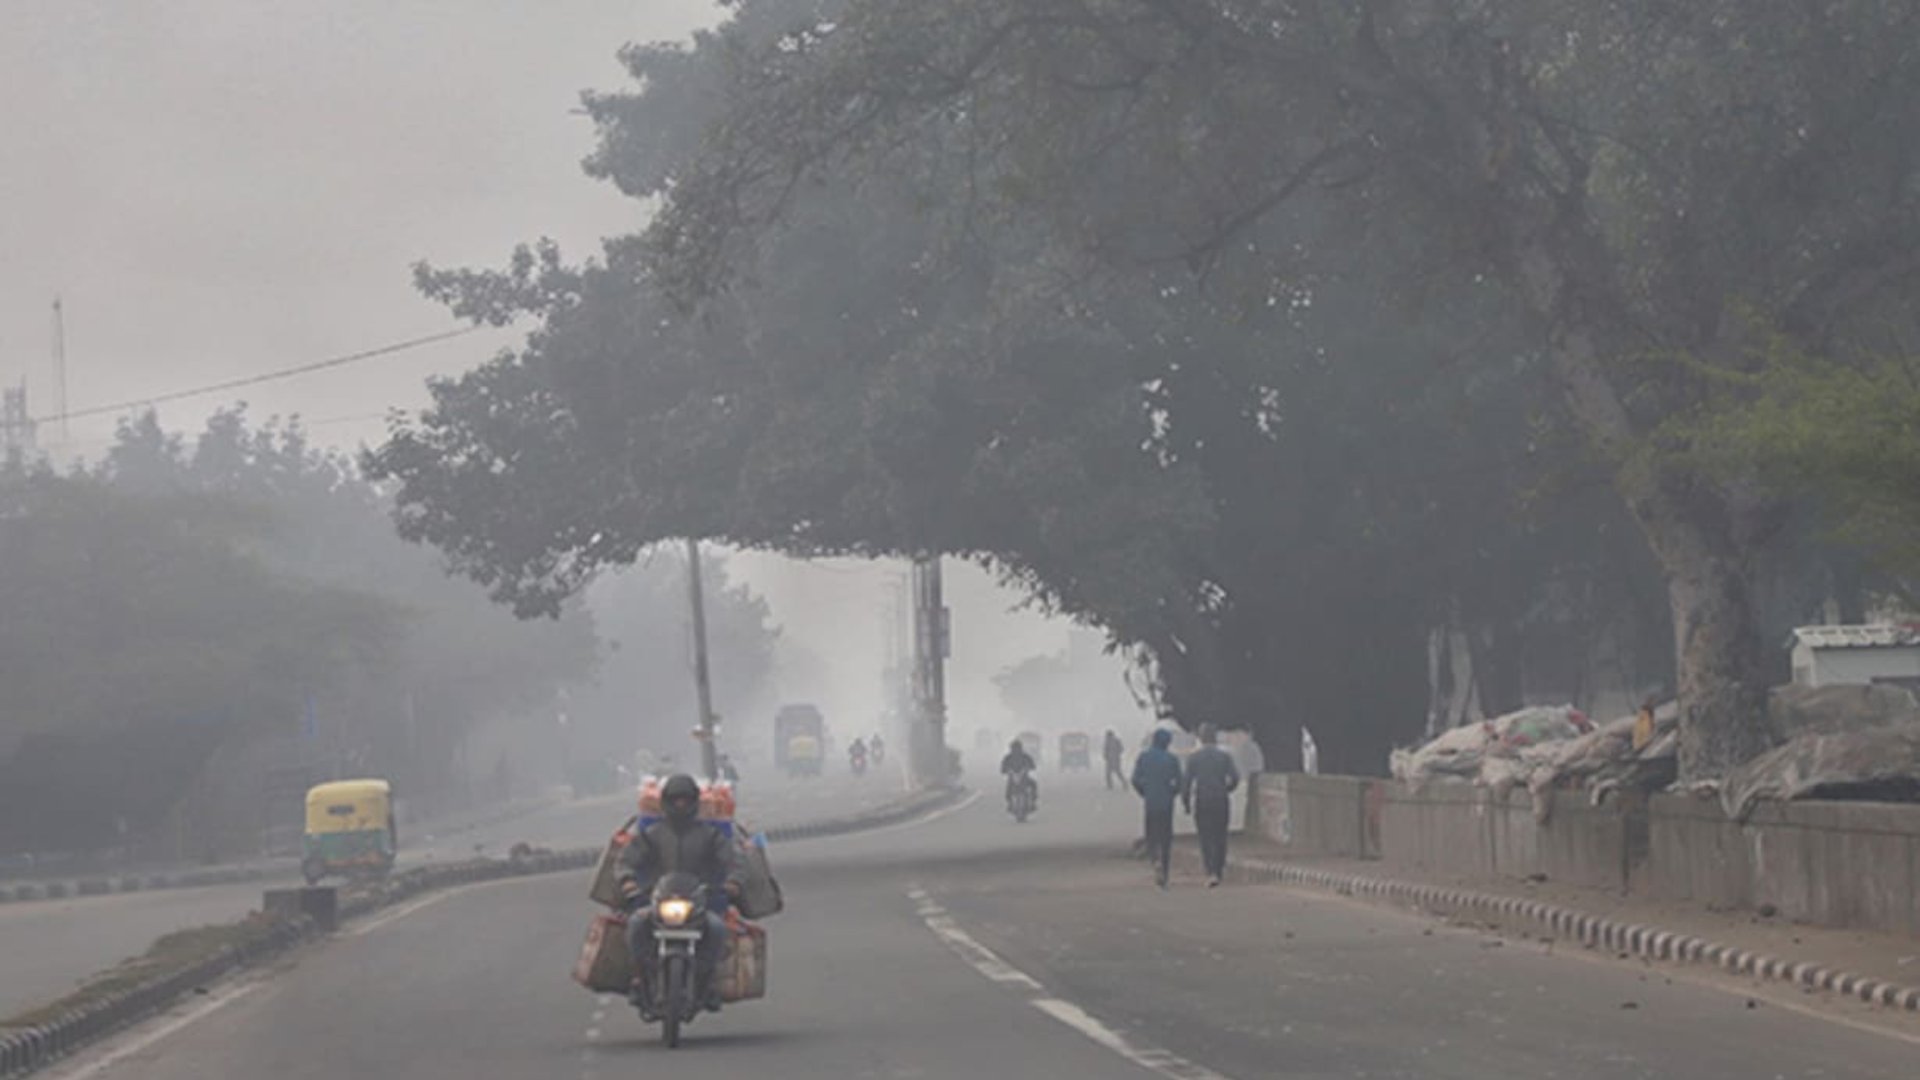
(184, 961)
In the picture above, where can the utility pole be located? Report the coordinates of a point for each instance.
(709, 761)
(932, 641)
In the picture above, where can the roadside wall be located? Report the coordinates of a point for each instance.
(1842, 864)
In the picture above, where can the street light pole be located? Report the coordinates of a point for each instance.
(709, 763)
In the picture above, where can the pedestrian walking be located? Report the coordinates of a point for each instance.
(1115, 751)
(1156, 776)
(1208, 794)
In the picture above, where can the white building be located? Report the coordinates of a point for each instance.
(1855, 655)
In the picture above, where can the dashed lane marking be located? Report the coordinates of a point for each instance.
(987, 962)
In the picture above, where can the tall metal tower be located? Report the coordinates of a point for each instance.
(60, 367)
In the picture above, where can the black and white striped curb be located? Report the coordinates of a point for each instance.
(1592, 931)
(27, 1050)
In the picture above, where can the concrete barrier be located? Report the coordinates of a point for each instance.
(1851, 865)
(1317, 815)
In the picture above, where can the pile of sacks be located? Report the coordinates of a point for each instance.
(1493, 751)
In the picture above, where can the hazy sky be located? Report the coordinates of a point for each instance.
(220, 188)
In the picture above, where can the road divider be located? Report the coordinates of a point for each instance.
(116, 999)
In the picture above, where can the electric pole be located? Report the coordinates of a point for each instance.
(932, 641)
(709, 760)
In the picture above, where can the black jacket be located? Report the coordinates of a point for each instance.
(700, 849)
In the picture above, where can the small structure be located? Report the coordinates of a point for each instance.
(1855, 655)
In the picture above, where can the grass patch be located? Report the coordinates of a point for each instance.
(173, 953)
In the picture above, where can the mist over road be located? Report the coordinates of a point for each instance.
(967, 946)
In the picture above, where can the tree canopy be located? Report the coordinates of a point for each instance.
(1268, 337)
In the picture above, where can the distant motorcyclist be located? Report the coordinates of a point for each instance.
(878, 748)
(678, 843)
(857, 756)
(1018, 767)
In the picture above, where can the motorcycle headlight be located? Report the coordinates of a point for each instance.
(675, 912)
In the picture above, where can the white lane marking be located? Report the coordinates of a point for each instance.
(145, 1034)
(215, 1000)
(988, 963)
(1155, 1061)
(400, 912)
(593, 1033)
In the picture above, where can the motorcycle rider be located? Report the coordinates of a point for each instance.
(679, 843)
(878, 748)
(1019, 766)
(857, 755)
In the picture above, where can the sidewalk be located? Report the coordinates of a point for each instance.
(1879, 967)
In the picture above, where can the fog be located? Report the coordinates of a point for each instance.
(220, 189)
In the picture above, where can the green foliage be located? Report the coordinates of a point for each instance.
(1841, 435)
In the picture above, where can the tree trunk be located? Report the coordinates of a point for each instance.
(1498, 668)
(1723, 688)
(1703, 536)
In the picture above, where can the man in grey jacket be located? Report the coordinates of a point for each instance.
(1210, 782)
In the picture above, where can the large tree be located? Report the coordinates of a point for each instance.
(1640, 175)
(1272, 484)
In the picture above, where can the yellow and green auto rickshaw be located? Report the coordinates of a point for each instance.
(350, 830)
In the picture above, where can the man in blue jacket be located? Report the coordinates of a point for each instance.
(1156, 776)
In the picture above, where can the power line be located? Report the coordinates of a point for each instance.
(255, 380)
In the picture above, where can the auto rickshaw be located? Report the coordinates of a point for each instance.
(803, 756)
(799, 740)
(1076, 751)
(350, 830)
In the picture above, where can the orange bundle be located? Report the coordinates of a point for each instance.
(716, 800)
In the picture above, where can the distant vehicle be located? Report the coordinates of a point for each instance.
(1034, 742)
(1076, 751)
(799, 740)
(350, 830)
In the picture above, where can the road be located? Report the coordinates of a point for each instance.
(48, 947)
(968, 946)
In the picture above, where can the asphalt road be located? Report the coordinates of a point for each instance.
(968, 946)
(49, 947)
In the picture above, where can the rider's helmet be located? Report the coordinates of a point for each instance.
(1015, 747)
(680, 799)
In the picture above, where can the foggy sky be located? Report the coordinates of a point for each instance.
(218, 188)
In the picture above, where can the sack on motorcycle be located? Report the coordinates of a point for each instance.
(605, 891)
(743, 966)
(604, 966)
(759, 890)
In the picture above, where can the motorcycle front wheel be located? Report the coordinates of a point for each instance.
(674, 977)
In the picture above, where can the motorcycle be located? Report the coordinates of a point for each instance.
(858, 763)
(678, 912)
(879, 752)
(1023, 797)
